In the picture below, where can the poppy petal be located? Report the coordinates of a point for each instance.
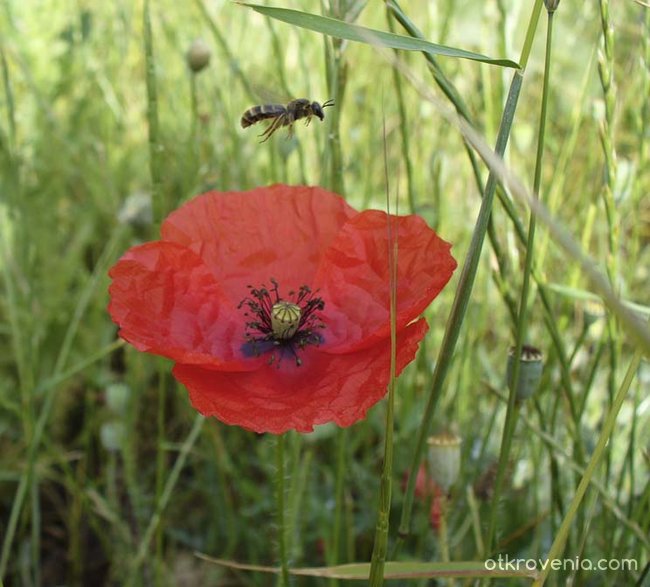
(166, 301)
(246, 238)
(326, 388)
(353, 278)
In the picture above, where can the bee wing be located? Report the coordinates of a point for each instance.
(266, 94)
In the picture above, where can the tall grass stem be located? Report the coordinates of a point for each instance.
(380, 547)
(160, 207)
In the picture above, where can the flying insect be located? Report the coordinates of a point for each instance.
(284, 115)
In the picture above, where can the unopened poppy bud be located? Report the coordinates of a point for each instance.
(444, 459)
(551, 5)
(285, 319)
(530, 370)
(198, 55)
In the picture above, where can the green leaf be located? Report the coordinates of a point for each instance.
(392, 570)
(352, 32)
(581, 294)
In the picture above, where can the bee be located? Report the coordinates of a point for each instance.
(284, 115)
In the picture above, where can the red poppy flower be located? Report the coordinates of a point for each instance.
(274, 303)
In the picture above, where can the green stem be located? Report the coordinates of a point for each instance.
(160, 461)
(607, 137)
(380, 547)
(194, 105)
(443, 533)
(155, 147)
(403, 126)
(9, 101)
(341, 443)
(606, 74)
(279, 496)
(160, 209)
(513, 411)
(193, 151)
(336, 87)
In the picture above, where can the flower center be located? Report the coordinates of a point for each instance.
(285, 319)
(278, 325)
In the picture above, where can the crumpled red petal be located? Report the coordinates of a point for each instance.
(326, 388)
(353, 278)
(167, 302)
(246, 238)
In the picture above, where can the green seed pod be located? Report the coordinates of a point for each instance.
(285, 319)
(444, 459)
(198, 55)
(530, 370)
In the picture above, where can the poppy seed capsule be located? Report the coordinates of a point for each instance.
(530, 370)
(285, 319)
(444, 459)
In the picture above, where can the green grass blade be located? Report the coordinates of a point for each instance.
(352, 32)
(393, 570)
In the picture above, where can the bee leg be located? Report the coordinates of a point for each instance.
(290, 131)
(270, 130)
(277, 123)
(308, 121)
